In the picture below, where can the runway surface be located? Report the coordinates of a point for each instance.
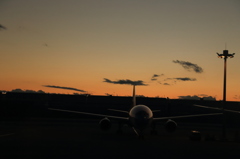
(75, 138)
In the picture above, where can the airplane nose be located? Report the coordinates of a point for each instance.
(142, 115)
(141, 122)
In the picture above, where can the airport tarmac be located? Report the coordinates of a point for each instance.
(76, 138)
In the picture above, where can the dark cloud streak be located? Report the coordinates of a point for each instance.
(182, 79)
(189, 66)
(127, 81)
(172, 81)
(2, 27)
(166, 84)
(155, 76)
(60, 87)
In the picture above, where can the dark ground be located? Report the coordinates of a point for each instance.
(81, 138)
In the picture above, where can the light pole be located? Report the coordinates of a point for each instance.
(224, 55)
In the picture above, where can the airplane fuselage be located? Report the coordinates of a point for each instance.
(140, 117)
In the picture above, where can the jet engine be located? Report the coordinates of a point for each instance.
(105, 124)
(170, 125)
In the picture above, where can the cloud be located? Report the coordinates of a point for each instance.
(172, 81)
(194, 97)
(155, 76)
(189, 66)
(68, 88)
(182, 79)
(2, 27)
(26, 91)
(165, 83)
(236, 97)
(209, 98)
(127, 81)
(45, 44)
(197, 97)
(202, 95)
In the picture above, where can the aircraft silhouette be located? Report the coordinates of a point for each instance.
(139, 118)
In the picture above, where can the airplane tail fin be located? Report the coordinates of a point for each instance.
(134, 97)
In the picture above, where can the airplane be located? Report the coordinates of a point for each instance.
(139, 118)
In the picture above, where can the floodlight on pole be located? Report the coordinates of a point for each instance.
(224, 55)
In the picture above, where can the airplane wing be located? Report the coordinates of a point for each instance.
(201, 106)
(116, 110)
(185, 116)
(91, 114)
(227, 110)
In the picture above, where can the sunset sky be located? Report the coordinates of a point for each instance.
(90, 45)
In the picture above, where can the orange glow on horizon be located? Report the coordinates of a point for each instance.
(120, 40)
(126, 91)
